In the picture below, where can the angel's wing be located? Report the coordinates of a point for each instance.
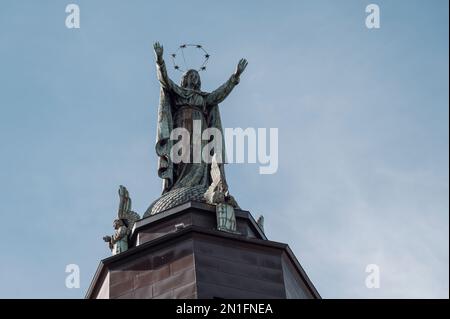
(125, 211)
(131, 217)
(215, 172)
(124, 197)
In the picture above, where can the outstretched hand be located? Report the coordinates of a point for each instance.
(158, 48)
(241, 66)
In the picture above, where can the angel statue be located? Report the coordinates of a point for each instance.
(220, 197)
(179, 107)
(123, 225)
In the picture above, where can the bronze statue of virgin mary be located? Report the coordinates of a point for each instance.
(179, 106)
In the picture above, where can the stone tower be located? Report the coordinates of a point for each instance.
(181, 254)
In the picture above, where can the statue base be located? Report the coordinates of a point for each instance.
(180, 254)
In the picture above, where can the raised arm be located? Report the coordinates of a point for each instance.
(163, 78)
(222, 92)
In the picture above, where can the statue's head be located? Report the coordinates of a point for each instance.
(191, 80)
(118, 223)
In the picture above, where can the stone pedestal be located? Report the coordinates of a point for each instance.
(180, 254)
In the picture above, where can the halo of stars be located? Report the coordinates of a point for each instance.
(180, 52)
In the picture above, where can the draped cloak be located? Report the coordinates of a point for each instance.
(166, 110)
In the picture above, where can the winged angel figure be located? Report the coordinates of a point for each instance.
(123, 224)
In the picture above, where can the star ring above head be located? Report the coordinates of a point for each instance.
(180, 53)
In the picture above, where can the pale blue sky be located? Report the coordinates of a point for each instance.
(362, 117)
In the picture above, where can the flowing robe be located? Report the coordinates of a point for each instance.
(178, 108)
(119, 240)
